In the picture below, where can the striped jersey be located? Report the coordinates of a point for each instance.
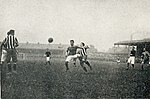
(83, 51)
(10, 42)
(145, 55)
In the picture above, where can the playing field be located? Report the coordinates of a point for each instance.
(35, 80)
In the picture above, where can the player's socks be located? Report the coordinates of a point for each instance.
(127, 66)
(133, 65)
(88, 64)
(9, 67)
(84, 68)
(49, 62)
(91, 67)
(66, 64)
(46, 63)
(15, 67)
(142, 67)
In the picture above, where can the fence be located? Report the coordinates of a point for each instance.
(94, 56)
(27, 56)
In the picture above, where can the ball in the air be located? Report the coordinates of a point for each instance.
(50, 40)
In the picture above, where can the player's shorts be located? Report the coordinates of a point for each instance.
(3, 56)
(47, 58)
(11, 54)
(131, 59)
(118, 61)
(72, 57)
(84, 58)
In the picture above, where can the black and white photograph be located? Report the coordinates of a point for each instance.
(75, 49)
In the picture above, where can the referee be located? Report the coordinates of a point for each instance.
(11, 43)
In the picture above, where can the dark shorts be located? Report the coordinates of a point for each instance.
(83, 58)
(11, 54)
(146, 61)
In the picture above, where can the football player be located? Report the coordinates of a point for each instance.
(48, 56)
(71, 54)
(131, 59)
(145, 57)
(11, 43)
(83, 56)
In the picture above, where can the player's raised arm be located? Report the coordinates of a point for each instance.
(78, 47)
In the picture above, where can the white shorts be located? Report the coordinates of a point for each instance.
(3, 57)
(71, 57)
(47, 58)
(118, 61)
(131, 59)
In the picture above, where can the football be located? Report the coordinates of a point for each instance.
(50, 40)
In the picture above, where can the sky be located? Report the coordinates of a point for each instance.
(97, 22)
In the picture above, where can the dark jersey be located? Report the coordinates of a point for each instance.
(48, 54)
(132, 53)
(72, 50)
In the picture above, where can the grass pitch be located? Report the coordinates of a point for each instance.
(35, 80)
